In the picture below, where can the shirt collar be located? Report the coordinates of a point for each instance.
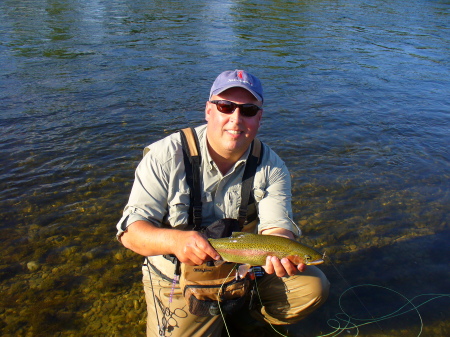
(241, 161)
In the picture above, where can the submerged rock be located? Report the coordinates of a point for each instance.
(33, 266)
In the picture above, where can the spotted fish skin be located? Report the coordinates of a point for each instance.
(253, 249)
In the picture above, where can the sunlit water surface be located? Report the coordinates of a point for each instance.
(357, 104)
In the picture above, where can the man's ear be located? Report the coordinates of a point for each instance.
(207, 111)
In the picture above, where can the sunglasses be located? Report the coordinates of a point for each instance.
(227, 107)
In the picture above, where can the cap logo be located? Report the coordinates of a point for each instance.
(240, 75)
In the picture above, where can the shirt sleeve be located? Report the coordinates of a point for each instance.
(149, 194)
(273, 194)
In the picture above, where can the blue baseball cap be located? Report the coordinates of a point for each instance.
(237, 78)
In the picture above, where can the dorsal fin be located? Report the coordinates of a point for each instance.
(235, 234)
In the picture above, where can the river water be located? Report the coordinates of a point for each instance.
(357, 104)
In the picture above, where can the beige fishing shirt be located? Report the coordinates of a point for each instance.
(160, 193)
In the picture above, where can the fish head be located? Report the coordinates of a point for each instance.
(312, 262)
(314, 259)
(307, 258)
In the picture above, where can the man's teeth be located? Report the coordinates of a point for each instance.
(234, 132)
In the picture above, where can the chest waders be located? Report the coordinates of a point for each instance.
(222, 228)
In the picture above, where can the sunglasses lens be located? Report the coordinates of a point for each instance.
(226, 107)
(249, 110)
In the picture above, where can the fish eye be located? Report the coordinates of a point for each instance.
(307, 258)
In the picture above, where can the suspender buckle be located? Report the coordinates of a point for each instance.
(197, 212)
(197, 216)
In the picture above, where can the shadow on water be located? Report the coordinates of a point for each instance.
(376, 282)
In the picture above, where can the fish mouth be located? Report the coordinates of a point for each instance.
(315, 262)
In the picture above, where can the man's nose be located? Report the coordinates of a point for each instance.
(236, 115)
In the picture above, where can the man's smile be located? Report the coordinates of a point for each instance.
(234, 132)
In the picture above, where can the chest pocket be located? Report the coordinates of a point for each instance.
(231, 203)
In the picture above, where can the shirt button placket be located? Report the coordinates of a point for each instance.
(219, 198)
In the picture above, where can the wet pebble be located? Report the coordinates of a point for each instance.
(55, 239)
(108, 306)
(131, 316)
(69, 251)
(96, 325)
(33, 266)
(94, 253)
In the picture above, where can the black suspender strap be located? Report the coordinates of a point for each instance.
(192, 161)
(253, 160)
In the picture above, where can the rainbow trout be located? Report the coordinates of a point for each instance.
(253, 249)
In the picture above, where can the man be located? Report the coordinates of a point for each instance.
(155, 218)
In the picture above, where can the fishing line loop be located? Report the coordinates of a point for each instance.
(346, 322)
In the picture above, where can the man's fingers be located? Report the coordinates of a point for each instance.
(289, 267)
(268, 267)
(282, 267)
(280, 270)
(301, 267)
(206, 248)
(273, 265)
(197, 250)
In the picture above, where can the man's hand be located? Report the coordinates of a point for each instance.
(190, 247)
(281, 267)
(193, 248)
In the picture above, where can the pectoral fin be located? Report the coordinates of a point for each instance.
(243, 270)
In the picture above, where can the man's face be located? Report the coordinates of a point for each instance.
(229, 135)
